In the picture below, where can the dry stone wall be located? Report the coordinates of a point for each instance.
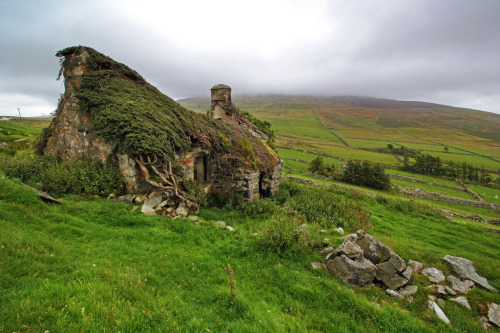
(419, 193)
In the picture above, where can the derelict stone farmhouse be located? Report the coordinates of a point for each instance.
(142, 127)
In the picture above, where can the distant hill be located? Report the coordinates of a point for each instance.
(375, 113)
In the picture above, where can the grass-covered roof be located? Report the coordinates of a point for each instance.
(124, 108)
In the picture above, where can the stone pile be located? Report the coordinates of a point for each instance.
(362, 260)
(160, 203)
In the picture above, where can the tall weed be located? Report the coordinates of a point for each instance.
(72, 176)
(324, 206)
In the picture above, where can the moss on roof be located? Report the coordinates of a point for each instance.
(126, 109)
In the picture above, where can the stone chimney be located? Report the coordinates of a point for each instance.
(222, 107)
(74, 68)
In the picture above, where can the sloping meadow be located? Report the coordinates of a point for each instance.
(93, 264)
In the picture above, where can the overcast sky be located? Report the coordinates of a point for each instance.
(441, 51)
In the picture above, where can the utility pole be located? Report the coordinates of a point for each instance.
(19, 110)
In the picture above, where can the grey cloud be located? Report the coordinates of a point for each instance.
(437, 51)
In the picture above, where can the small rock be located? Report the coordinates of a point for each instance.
(111, 196)
(393, 293)
(484, 323)
(408, 290)
(494, 314)
(126, 198)
(152, 194)
(230, 228)
(170, 210)
(317, 265)
(147, 209)
(437, 310)
(431, 298)
(375, 304)
(162, 204)
(170, 202)
(416, 266)
(323, 231)
(327, 252)
(465, 270)
(339, 230)
(253, 234)
(459, 285)
(439, 290)
(462, 301)
(450, 291)
(434, 274)
(221, 224)
(140, 198)
(193, 218)
(181, 210)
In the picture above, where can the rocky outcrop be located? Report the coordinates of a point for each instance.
(362, 259)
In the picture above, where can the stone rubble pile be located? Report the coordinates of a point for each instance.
(160, 203)
(362, 260)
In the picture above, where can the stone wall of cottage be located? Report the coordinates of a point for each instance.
(71, 134)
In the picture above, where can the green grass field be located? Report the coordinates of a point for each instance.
(91, 264)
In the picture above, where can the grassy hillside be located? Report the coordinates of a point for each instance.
(92, 264)
(21, 133)
(339, 124)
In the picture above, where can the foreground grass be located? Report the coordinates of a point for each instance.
(95, 265)
(91, 264)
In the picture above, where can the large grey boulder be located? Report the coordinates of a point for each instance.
(458, 285)
(465, 270)
(494, 314)
(355, 272)
(434, 274)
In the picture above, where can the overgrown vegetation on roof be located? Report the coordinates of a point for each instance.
(125, 109)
